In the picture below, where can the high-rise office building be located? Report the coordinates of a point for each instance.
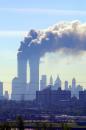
(43, 82)
(34, 76)
(78, 89)
(82, 96)
(18, 89)
(57, 84)
(51, 80)
(73, 89)
(6, 95)
(1, 90)
(66, 85)
(25, 54)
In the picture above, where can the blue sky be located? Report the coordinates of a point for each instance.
(12, 18)
(19, 16)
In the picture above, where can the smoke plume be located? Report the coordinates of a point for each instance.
(66, 36)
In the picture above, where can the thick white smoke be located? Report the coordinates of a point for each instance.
(66, 36)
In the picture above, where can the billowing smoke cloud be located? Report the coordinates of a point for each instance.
(66, 36)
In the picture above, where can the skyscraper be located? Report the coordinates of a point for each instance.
(73, 89)
(1, 90)
(43, 82)
(18, 89)
(34, 76)
(66, 85)
(22, 66)
(19, 84)
(78, 89)
(57, 84)
(6, 95)
(51, 80)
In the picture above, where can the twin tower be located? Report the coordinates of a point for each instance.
(27, 55)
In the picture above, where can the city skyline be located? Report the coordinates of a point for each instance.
(16, 21)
